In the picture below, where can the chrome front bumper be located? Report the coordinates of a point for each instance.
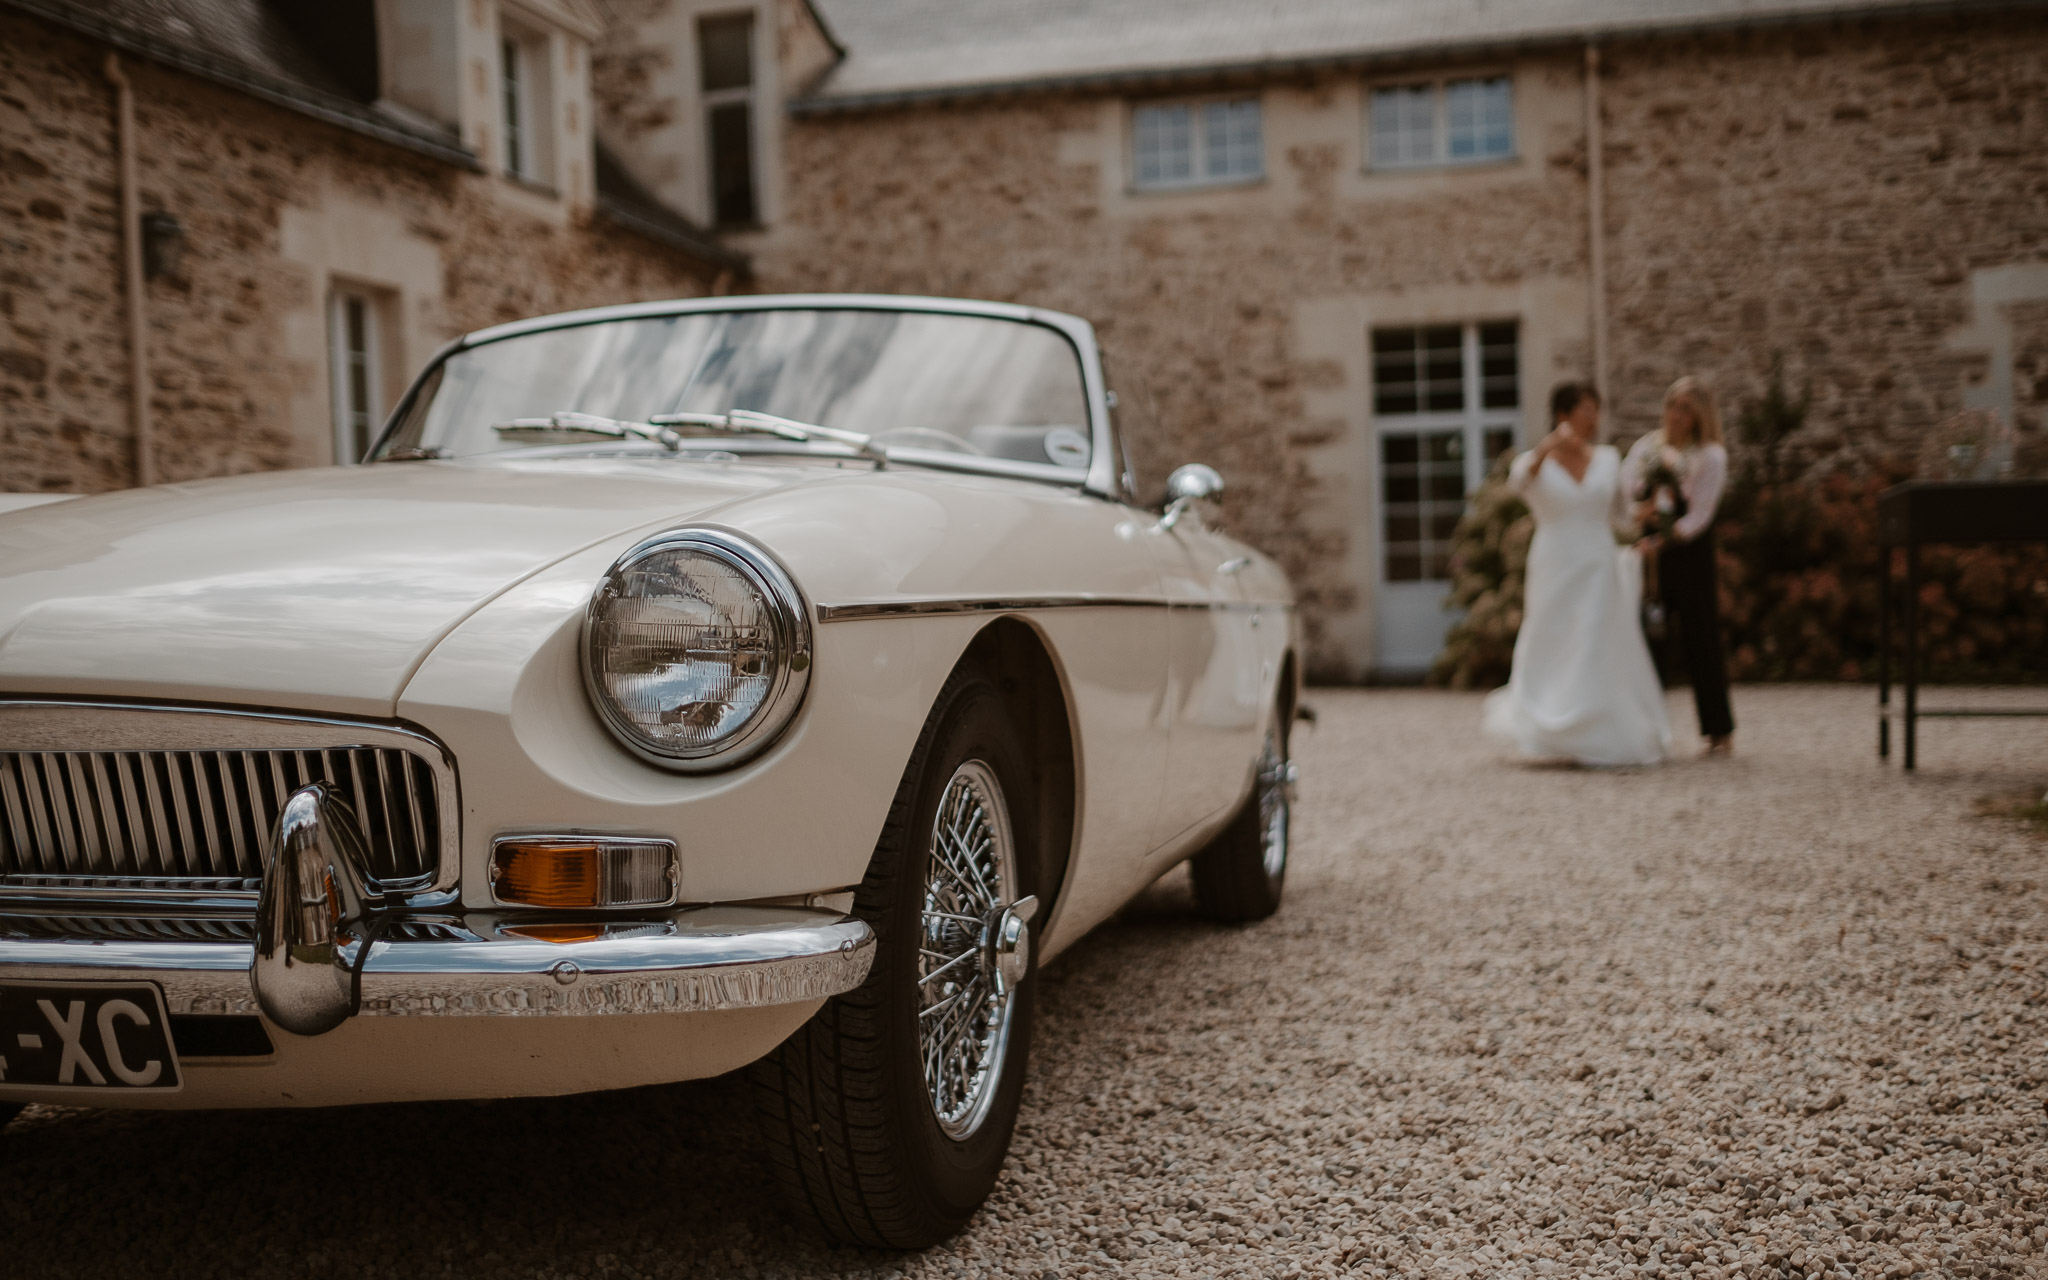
(328, 948)
(692, 960)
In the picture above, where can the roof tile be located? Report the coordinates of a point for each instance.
(905, 49)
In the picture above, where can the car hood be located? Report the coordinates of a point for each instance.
(315, 590)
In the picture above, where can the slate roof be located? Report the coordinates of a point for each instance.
(622, 198)
(323, 65)
(902, 51)
(245, 45)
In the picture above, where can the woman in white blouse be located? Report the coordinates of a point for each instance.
(1689, 446)
(1582, 686)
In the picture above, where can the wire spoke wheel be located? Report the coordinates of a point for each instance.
(1274, 781)
(888, 1115)
(1242, 873)
(964, 1003)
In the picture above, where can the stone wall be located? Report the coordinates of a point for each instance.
(1871, 201)
(275, 208)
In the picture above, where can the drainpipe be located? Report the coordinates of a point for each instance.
(1596, 219)
(131, 269)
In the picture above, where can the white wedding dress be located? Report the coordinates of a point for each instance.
(1582, 686)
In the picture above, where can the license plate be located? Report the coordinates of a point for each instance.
(91, 1036)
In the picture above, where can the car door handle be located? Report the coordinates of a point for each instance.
(1236, 564)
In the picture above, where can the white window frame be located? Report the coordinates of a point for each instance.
(515, 104)
(748, 94)
(1198, 143)
(341, 364)
(525, 103)
(1439, 156)
(1472, 422)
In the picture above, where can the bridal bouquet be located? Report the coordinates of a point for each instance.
(1663, 487)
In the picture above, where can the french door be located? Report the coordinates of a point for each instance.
(1446, 400)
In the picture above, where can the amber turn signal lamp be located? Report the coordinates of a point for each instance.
(583, 872)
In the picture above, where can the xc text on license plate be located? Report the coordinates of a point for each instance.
(85, 1035)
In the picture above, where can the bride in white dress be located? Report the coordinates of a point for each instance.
(1582, 686)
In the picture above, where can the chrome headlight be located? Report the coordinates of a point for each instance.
(696, 649)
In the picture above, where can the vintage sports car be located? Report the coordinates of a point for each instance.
(771, 680)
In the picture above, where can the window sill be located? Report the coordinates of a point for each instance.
(534, 185)
(1442, 166)
(1184, 188)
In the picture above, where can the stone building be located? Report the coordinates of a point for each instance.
(322, 194)
(1352, 245)
(1338, 248)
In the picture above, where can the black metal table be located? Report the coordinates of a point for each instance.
(1913, 515)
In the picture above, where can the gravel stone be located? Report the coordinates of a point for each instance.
(1779, 1015)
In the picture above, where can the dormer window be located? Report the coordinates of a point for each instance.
(725, 69)
(517, 126)
(524, 104)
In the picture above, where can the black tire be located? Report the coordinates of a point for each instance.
(9, 1110)
(848, 1121)
(1240, 876)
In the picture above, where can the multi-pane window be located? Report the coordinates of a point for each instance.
(1445, 399)
(725, 67)
(514, 95)
(352, 358)
(1187, 144)
(1443, 122)
(1404, 126)
(525, 98)
(1418, 370)
(1422, 494)
(1424, 370)
(1479, 119)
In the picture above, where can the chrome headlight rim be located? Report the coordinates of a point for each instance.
(789, 615)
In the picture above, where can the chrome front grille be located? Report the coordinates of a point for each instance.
(197, 929)
(240, 928)
(126, 804)
(74, 818)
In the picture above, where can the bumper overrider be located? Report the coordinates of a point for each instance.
(328, 949)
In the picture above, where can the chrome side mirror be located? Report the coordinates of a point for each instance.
(1185, 487)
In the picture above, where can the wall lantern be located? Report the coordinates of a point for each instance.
(163, 245)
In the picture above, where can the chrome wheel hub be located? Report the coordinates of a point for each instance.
(973, 949)
(1276, 787)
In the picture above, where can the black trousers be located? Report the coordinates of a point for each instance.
(1692, 598)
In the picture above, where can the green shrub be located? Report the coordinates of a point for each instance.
(1489, 555)
(1799, 590)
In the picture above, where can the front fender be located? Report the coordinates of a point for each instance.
(505, 692)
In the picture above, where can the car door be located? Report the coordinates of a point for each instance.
(1202, 722)
(1111, 641)
(1213, 691)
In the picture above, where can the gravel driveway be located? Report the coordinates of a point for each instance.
(1781, 1014)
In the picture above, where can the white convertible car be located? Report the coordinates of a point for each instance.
(770, 680)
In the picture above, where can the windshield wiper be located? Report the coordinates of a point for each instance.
(573, 427)
(748, 422)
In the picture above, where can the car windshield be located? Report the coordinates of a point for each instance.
(917, 381)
